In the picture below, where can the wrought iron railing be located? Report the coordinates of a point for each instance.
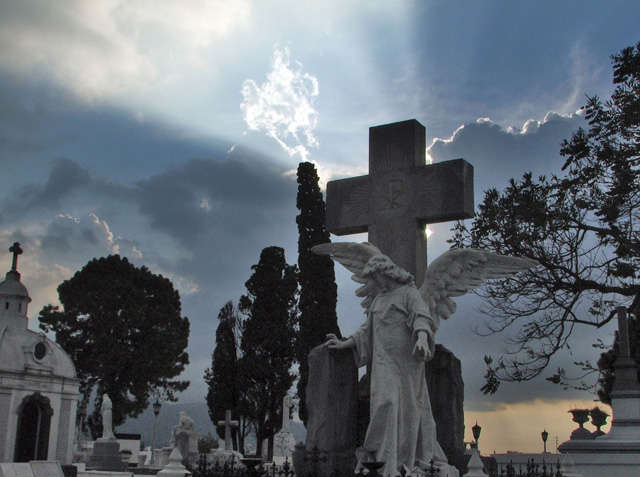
(255, 468)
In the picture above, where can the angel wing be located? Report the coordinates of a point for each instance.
(458, 271)
(353, 256)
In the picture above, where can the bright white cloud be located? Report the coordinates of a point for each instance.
(98, 49)
(282, 107)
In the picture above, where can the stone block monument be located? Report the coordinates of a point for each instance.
(446, 392)
(332, 403)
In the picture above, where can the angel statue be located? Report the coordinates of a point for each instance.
(397, 338)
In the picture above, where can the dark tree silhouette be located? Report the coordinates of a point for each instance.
(318, 290)
(222, 377)
(583, 229)
(122, 327)
(268, 341)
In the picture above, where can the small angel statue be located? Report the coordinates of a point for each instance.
(397, 338)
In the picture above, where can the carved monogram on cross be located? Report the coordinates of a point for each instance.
(401, 195)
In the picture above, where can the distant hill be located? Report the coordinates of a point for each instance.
(169, 417)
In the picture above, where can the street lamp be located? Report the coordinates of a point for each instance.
(476, 431)
(156, 411)
(545, 436)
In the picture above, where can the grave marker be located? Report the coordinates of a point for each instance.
(228, 426)
(400, 196)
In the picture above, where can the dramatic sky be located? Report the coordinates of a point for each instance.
(168, 131)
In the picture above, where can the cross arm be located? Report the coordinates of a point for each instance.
(348, 205)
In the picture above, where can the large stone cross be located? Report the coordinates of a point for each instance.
(400, 196)
(228, 426)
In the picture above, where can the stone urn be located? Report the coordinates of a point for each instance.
(598, 419)
(580, 416)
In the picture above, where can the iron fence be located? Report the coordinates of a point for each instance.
(255, 468)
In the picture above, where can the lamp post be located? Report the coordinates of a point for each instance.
(545, 436)
(156, 411)
(476, 433)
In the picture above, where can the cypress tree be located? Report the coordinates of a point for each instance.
(268, 341)
(318, 290)
(222, 376)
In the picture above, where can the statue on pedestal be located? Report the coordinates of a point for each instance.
(397, 338)
(107, 418)
(185, 438)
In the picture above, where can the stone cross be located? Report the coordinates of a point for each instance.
(286, 410)
(16, 250)
(228, 426)
(400, 196)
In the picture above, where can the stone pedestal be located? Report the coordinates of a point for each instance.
(446, 393)
(106, 456)
(618, 452)
(332, 404)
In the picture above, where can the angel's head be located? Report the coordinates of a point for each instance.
(383, 266)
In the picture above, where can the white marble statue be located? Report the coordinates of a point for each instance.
(284, 443)
(185, 424)
(185, 438)
(107, 418)
(398, 336)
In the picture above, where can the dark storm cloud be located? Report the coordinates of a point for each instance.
(232, 196)
(65, 177)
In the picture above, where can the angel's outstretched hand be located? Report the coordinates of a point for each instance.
(333, 342)
(421, 348)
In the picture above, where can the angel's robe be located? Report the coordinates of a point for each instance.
(402, 430)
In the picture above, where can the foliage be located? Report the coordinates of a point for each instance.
(318, 290)
(268, 341)
(581, 227)
(222, 377)
(122, 327)
(207, 443)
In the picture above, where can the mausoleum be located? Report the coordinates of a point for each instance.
(38, 384)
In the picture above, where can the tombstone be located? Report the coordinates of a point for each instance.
(332, 403)
(46, 469)
(229, 425)
(17, 469)
(393, 204)
(31, 469)
(106, 456)
(225, 454)
(446, 393)
(185, 438)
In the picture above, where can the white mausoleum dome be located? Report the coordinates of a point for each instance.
(21, 349)
(12, 287)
